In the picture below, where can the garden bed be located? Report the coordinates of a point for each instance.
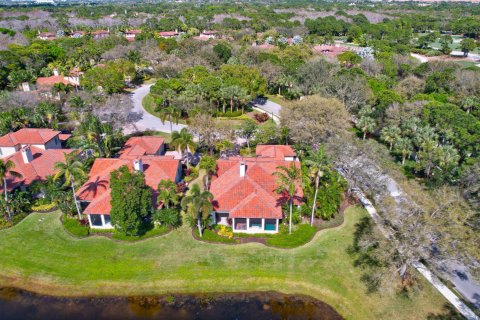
(81, 229)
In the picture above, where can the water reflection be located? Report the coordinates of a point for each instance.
(18, 304)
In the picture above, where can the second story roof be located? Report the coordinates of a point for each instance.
(28, 136)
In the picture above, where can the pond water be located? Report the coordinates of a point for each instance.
(19, 304)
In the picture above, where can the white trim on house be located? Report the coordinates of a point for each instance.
(104, 219)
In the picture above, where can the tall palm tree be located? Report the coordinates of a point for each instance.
(198, 204)
(170, 112)
(209, 164)
(318, 164)
(404, 146)
(6, 170)
(167, 193)
(183, 141)
(390, 135)
(71, 171)
(366, 124)
(288, 179)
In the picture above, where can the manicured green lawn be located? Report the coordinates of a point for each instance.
(38, 254)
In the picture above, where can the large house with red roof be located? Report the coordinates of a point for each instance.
(244, 190)
(139, 153)
(33, 164)
(39, 138)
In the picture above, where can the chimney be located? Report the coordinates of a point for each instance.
(55, 72)
(27, 154)
(138, 165)
(243, 169)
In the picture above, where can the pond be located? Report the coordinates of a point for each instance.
(19, 304)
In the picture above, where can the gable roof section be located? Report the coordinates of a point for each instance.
(141, 146)
(97, 188)
(250, 196)
(38, 169)
(274, 151)
(28, 136)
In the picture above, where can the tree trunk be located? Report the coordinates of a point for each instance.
(171, 124)
(290, 222)
(248, 143)
(231, 105)
(403, 159)
(6, 198)
(199, 225)
(224, 107)
(76, 202)
(364, 135)
(314, 201)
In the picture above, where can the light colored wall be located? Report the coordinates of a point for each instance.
(6, 151)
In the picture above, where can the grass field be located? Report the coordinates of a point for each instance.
(39, 255)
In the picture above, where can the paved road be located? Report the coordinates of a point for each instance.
(270, 107)
(147, 121)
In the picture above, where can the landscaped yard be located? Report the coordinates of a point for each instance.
(38, 254)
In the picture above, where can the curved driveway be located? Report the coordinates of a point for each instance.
(147, 121)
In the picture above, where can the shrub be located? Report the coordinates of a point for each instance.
(191, 174)
(76, 227)
(4, 223)
(167, 216)
(228, 114)
(225, 232)
(44, 207)
(261, 117)
(181, 187)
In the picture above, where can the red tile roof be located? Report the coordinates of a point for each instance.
(64, 136)
(329, 50)
(38, 169)
(253, 195)
(28, 136)
(141, 146)
(97, 190)
(274, 151)
(135, 31)
(50, 81)
(167, 33)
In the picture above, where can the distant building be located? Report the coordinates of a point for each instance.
(168, 34)
(77, 34)
(131, 34)
(100, 34)
(46, 36)
(206, 35)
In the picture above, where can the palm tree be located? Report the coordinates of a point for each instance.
(318, 164)
(71, 171)
(170, 112)
(288, 179)
(209, 164)
(167, 193)
(469, 103)
(366, 124)
(183, 141)
(198, 204)
(390, 135)
(6, 170)
(403, 146)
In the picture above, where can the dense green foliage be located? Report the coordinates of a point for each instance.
(131, 201)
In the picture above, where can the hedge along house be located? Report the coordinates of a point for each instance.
(244, 190)
(44, 139)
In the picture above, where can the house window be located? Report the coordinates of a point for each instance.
(240, 224)
(96, 220)
(255, 223)
(106, 217)
(270, 224)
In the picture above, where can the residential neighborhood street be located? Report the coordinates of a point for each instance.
(147, 121)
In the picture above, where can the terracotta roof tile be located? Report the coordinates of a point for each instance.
(38, 169)
(274, 151)
(140, 146)
(253, 195)
(156, 168)
(28, 136)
